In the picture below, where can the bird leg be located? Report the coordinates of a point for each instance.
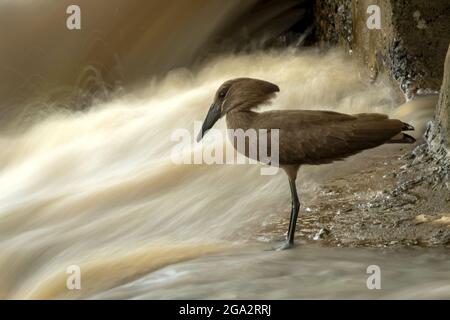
(295, 206)
(294, 211)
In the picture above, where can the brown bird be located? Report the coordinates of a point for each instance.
(305, 136)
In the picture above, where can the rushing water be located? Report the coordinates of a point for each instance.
(99, 190)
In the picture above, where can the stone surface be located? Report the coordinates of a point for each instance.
(334, 23)
(442, 119)
(409, 47)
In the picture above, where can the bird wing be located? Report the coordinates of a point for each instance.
(296, 118)
(324, 136)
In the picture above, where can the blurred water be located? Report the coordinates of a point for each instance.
(305, 272)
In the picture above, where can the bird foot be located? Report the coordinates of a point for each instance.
(283, 246)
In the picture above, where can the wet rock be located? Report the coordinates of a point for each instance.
(438, 133)
(410, 46)
(334, 23)
(321, 234)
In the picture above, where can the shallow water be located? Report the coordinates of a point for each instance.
(305, 272)
(99, 190)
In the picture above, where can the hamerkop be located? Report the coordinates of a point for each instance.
(305, 136)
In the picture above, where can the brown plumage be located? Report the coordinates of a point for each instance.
(305, 136)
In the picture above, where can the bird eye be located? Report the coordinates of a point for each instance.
(221, 94)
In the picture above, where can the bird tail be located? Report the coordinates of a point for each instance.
(403, 137)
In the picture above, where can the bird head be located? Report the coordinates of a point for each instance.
(237, 95)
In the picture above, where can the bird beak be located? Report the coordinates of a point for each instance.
(211, 118)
